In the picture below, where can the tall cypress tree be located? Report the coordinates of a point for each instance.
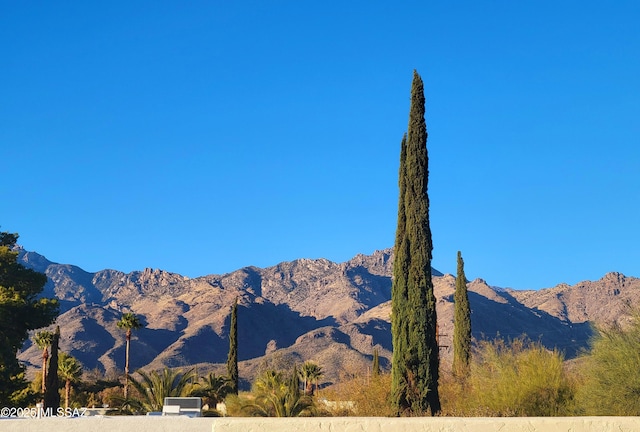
(51, 394)
(415, 348)
(294, 383)
(461, 324)
(232, 359)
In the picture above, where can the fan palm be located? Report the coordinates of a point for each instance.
(70, 370)
(129, 322)
(43, 340)
(310, 373)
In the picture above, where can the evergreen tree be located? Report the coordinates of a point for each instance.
(415, 348)
(376, 363)
(21, 310)
(294, 382)
(51, 394)
(232, 359)
(461, 323)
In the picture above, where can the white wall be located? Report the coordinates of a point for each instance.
(322, 424)
(429, 424)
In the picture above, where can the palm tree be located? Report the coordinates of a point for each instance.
(214, 389)
(129, 322)
(275, 396)
(268, 381)
(43, 340)
(70, 370)
(310, 372)
(154, 387)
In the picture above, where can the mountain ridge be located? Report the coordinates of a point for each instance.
(306, 309)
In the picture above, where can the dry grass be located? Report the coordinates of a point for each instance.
(510, 379)
(366, 396)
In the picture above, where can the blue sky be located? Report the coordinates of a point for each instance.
(201, 137)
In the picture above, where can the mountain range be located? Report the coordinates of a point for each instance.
(335, 314)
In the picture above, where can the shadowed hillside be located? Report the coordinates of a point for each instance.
(332, 313)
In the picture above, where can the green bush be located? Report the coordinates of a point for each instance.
(610, 378)
(520, 378)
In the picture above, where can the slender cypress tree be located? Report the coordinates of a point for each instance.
(376, 363)
(232, 359)
(294, 382)
(415, 348)
(461, 324)
(51, 394)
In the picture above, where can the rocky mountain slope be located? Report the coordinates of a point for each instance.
(332, 313)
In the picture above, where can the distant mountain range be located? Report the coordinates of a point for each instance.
(332, 313)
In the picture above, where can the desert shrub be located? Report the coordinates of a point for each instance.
(610, 382)
(367, 396)
(234, 403)
(520, 378)
(454, 397)
(98, 388)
